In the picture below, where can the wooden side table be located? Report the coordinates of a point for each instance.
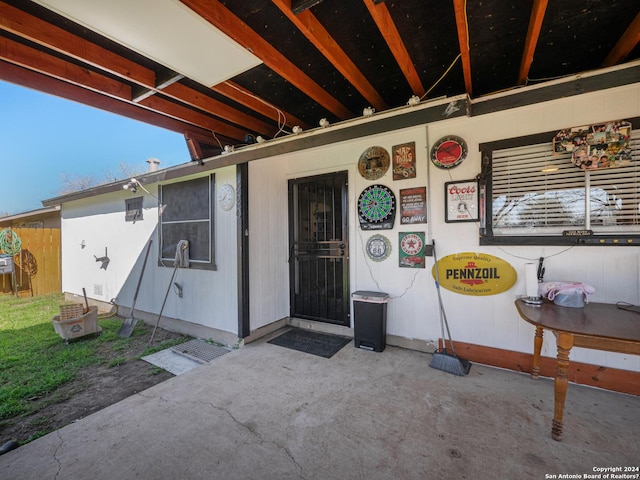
(600, 326)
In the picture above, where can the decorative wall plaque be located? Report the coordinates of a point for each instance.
(373, 163)
(403, 159)
(378, 248)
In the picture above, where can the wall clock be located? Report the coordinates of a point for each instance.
(449, 151)
(378, 248)
(226, 196)
(376, 208)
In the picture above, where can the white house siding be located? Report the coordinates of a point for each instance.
(210, 297)
(412, 312)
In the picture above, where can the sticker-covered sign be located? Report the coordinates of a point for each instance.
(475, 274)
(596, 147)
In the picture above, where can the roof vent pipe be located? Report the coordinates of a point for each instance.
(153, 164)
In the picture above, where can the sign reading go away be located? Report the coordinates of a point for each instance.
(477, 274)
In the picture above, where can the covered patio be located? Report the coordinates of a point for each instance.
(268, 412)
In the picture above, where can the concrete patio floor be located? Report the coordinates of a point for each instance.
(267, 412)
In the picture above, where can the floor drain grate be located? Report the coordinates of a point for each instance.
(200, 351)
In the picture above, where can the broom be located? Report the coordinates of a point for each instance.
(443, 359)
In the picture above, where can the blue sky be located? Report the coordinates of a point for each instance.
(43, 137)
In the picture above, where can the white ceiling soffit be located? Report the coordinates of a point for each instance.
(164, 30)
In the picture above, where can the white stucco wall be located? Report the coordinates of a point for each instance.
(413, 312)
(209, 297)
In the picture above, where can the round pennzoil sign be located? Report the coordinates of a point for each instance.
(475, 274)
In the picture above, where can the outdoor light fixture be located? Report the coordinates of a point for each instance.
(413, 101)
(296, 130)
(324, 123)
(368, 111)
(132, 185)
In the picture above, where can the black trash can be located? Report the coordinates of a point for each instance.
(370, 319)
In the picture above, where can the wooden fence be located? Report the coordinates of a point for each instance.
(38, 265)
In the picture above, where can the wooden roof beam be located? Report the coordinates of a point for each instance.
(197, 100)
(180, 112)
(530, 43)
(380, 14)
(244, 97)
(300, 6)
(60, 69)
(460, 9)
(41, 62)
(42, 33)
(140, 93)
(315, 32)
(38, 31)
(224, 20)
(44, 83)
(627, 42)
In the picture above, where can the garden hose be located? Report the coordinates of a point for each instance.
(10, 242)
(112, 312)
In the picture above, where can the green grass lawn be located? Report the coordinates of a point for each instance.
(34, 360)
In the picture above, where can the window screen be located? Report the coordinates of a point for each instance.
(187, 214)
(133, 209)
(535, 193)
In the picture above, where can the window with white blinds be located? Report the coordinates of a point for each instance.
(537, 193)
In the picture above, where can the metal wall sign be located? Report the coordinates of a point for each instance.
(378, 248)
(403, 159)
(412, 253)
(475, 274)
(413, 205)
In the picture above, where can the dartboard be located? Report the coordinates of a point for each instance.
(376, 208)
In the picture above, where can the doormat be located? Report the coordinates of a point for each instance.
(316, 343)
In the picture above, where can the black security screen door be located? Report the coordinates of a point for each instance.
(318, 244)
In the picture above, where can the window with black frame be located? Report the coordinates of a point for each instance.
(536, 195)
(133, 209)
(186, 213)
